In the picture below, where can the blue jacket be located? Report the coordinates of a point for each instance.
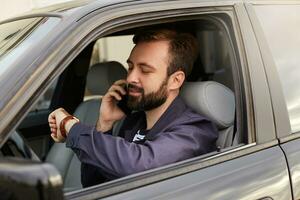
(179, 134)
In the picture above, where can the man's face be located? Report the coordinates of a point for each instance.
(147, 75)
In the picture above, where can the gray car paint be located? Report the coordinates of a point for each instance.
(292, 150)
(242, 178)
(253, 174)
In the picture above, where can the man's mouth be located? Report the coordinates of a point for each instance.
(134, 90)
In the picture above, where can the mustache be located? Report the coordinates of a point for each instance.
(135, 88)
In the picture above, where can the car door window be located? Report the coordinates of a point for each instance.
(105, 49)
(215, 63)
(45, 100)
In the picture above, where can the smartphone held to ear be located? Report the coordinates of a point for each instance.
(122, 104)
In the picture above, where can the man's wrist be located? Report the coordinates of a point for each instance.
(104, 126)
(66, 124)
(70, 124)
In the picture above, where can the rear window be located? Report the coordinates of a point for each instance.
(281, 25)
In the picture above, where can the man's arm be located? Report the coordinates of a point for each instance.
(109, 113)
(117, 157)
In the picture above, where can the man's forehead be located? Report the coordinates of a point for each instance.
(164, 42)
(155, 51)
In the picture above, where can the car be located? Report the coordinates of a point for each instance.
(247, 72)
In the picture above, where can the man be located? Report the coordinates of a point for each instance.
(162, 130)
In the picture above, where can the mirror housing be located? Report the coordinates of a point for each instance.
(27, 179)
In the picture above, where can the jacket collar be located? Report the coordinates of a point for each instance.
(138, 120)
(176, 108)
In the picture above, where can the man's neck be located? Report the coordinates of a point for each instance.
(152, 116)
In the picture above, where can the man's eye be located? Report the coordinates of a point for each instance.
(146, 71)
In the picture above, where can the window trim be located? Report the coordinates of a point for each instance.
(261, 110)
(39, 15)
(280, 112)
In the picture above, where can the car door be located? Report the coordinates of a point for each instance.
(281, 52)
(248, 171)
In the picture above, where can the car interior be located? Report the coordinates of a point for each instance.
(212, 89)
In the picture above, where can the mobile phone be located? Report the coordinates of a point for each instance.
(123, 103)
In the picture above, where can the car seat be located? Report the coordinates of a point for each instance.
(100, 77)
(216, 102)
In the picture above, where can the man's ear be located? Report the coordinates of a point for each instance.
(176, 80)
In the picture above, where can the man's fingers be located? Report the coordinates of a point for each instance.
(117, 88)
(51, 117)
(115, 95)
(55, 138)
(53, 125)
(52, 122)
(120, 82)
(54, 119)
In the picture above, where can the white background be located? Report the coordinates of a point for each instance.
(11, 8)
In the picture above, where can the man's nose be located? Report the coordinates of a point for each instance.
(132, 76)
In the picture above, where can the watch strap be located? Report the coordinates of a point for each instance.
(62, 124)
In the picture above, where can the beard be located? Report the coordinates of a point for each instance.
(149, 101)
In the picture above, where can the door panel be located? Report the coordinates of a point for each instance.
(292, 151)
(256, 176)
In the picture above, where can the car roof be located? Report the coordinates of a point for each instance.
(74, 7)
(80, 8)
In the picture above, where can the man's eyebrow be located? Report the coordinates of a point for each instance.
(146, 65)
(141, 64)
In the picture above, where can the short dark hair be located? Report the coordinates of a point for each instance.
(183, 47)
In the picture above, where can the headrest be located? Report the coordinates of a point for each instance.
(211, 99)
(102, 75)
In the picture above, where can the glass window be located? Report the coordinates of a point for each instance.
(12, 34)
(45, 100)
(19, 36)
(280, 24)
(113, 48)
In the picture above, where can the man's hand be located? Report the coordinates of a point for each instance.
(109, 111)
(54, 120)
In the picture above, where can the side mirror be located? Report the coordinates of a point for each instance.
(27, 179)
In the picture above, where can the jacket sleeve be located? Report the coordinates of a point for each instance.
(117, 157)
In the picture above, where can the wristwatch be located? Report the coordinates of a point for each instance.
(63, 123)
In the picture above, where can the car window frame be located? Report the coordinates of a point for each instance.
(180, 168)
